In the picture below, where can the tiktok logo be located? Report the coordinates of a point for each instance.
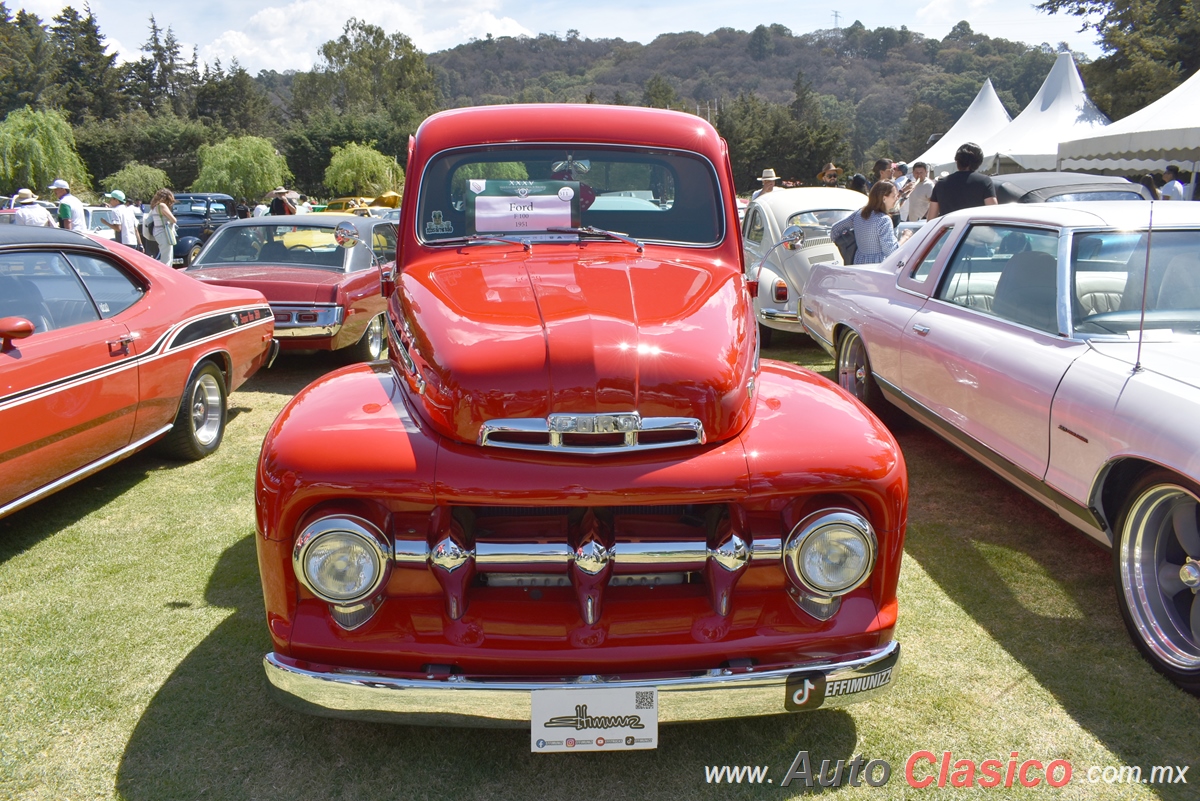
(800, 697)
(804, 691)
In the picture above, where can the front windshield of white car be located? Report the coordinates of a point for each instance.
(1108, 275)
(274, 245)
(528, 191)
(819, 218)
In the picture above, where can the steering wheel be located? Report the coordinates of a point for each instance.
(301, 247)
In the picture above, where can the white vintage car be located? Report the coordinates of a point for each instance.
(1058, 344)
(782, 275)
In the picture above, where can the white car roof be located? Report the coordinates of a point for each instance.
(783, 203)
(1100, 213)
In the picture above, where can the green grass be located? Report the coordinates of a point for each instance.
(131, 634)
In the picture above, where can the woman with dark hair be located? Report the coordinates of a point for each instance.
(1151, 187)
(873, 232)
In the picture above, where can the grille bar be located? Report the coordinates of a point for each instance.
(592, 434)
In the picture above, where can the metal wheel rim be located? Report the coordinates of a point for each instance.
(193, 253)
(852, 366)
(206, 410)
(375, 337)
(1165, 611)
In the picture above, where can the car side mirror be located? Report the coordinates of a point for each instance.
(346, 235)
(13, 328)
(387, 279)
(793, 237)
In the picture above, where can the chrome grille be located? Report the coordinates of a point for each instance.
(592, 434)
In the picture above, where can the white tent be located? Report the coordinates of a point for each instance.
(985, 117)
(1060, 110)
(1165, 132)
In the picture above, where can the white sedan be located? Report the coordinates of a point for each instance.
(782, 275)
(1058, 344)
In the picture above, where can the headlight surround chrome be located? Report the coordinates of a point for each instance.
(830, 552)
(341, 559)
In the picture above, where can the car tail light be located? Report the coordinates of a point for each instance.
(306, 317)
(781, 293)
(283, 317)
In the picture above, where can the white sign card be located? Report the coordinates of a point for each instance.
(600, 719)
(517, 207)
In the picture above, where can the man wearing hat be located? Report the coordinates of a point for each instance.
(29, 212)
(70, 208)
(767, 179)
(123, 221)
(280, 203)
(829, 175)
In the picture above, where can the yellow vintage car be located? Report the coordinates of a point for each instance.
(343, 205)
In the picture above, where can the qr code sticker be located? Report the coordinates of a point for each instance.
(644, 700)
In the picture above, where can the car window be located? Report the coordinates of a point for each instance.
(111, 289)
(819, 218)
(754, 227)
(526, 190)
(274, 245)
(42, 288)
(1111, 194)
(222, 208)
(1008, 272)
(188, 206)
(919, 270)
(384, 242)
(1108, 273)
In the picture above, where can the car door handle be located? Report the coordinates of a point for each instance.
(119, 345)
(921, 329)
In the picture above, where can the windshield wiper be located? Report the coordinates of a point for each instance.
(476, 238)
(591, 230)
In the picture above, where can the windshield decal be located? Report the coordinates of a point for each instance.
(438, 225)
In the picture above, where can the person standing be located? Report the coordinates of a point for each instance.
(873, 231)
(917, 204)
(29, 212)
(305, 207)
(124, 221)
(965, 188)
(1172, 188)
(242, 209)
(768, 179)
(882, 171)
(70, 208)
(162, 224)
(1151, 187)
(280, 205)
(829, 175)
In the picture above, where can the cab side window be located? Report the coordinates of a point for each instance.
(111, 289)
(41, 287)
(383, 242)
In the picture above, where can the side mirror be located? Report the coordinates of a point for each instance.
(346, 235)
(13, 328)
(793, 237)
(387, 279)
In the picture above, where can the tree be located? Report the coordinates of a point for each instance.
(363, 171)
(309, 145)
(26, 60)
(35, 148)
(659, 93)
(165, 141)
(160, 81)
(87, 80)
(242, 166)
(137, 181)
(235, 101)
(761, 44)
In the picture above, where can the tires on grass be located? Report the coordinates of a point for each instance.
(371, 346)
(192, 254)
(1157, 561)
(854, 373)
(200, 422)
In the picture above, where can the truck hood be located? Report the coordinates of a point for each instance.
(278, 284)
(526, 336)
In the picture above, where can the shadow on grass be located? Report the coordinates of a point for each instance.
(292, 372)
(212, 731)
(1066, 631)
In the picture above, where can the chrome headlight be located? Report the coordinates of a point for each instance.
(830, 553)
(341, 559)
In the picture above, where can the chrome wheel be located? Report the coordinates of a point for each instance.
(853, 368)
(192, 253)
(374, 337)
(207, 410)
(1158, 562)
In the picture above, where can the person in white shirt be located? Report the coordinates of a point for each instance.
(767, 179)
(29, 212)
(304, 207)
(1172, 188)
(70, 208)
(916, 205)
(260, 210)
(124, 221)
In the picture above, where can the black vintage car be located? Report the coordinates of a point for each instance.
(199, 214)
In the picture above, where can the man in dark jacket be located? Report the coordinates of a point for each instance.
(280, 203)
(965, 188)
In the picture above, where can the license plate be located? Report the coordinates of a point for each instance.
(594, 719)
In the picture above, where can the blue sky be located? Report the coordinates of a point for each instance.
(285, 34)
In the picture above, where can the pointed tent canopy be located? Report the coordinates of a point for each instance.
(985, 117)
(1060, 110)
(1165, 132)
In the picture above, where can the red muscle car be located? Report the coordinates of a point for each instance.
(104, 351)
(324, 297)
(573, 482)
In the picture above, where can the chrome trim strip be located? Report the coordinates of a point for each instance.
(629, 424)
(507, 556)
(774, 315)
(720, 694)
(328, 323)
(81, 473)
(522, 557)
(638, 556)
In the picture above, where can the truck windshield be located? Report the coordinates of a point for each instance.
(526, 191)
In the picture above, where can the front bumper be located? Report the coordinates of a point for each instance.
(459, 701)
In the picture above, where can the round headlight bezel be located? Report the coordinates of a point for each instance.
(809, 530)
(346, 525)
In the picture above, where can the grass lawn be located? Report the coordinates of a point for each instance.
(132, 629)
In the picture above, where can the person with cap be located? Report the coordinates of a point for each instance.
(1172, 188)
(70, 208)
(124, 221)
(280, 204)
(30, 212)
(768, 179)
(829, 175)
